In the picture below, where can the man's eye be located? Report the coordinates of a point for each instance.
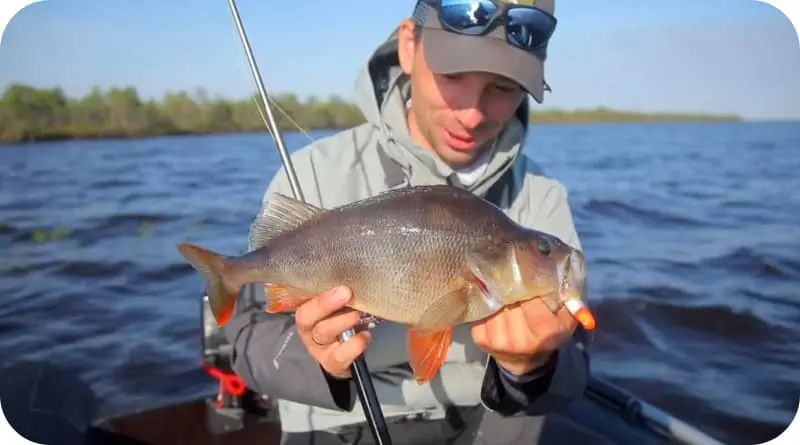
(507, 88)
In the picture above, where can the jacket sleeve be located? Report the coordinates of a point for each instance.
(564, 379)
(268, 355)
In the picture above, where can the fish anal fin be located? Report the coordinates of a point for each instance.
(283, 298)
(280, 214)
(427, 351)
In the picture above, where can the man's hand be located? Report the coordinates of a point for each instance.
(524, 336)
(319, 323)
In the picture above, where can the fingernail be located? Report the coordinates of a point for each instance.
(341, 295)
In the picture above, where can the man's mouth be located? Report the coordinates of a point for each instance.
(460, 141)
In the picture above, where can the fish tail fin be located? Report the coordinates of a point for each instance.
(222, 292)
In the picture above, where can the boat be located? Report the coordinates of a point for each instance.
(235, 415)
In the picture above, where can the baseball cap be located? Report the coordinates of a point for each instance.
(449, 52)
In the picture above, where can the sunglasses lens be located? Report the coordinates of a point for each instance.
(529, 28)
(467, 16)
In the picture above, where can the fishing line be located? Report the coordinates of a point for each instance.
(359, 369)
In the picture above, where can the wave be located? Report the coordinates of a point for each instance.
(752, 261)
(629, 212)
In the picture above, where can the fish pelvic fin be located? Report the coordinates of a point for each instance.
(280, 214)
(222, 292)
(283, 298)
(427, 351)
(429, 341)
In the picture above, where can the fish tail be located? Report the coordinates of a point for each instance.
(222, 292)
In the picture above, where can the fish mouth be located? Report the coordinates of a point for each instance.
(572, 276)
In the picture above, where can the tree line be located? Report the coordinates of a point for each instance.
(28, 113)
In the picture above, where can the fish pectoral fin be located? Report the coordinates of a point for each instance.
(447, 310)
(280, 214)
(427, 351)
(429, 340)
(283, 298)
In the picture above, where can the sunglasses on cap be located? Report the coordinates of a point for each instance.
(527, 27)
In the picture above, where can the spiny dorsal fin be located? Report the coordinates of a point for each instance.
(281, 214)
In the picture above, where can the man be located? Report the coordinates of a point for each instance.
(444, 103)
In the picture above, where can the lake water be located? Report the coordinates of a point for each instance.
(691, 232)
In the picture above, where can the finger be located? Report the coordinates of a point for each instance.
(321, 306)
(551, 329)
(327, 330)
(342, 356)
(478, 331)
(497, 332)
(537, 314)
(520, 334)
(568, 321)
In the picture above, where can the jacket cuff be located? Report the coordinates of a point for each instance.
(542, 371)
(550, 388)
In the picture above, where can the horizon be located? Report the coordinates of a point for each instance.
(732, 56)
(193, 95)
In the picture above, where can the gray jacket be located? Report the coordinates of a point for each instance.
(361, 162)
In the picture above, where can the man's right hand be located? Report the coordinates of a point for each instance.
(319, 323)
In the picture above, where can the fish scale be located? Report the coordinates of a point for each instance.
(429, 257)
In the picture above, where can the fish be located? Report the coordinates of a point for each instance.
(428, 257)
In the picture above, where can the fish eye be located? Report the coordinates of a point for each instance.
(544, 247)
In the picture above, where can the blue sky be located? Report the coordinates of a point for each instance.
(738, 56)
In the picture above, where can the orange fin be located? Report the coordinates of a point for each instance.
(427, 351)
(222, 294)
(283, 298)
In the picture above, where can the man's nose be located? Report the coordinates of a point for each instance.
(471, 117)
(470, 99)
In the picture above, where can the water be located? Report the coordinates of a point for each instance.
(690, 230)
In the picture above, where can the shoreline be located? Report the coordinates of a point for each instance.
(537, 119)
(34, 114)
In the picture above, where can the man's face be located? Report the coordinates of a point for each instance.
(455, 116)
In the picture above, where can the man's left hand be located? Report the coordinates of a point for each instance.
(524, 336)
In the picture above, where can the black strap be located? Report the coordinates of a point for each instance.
(505, 183)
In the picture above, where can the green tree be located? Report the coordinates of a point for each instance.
(29, 114)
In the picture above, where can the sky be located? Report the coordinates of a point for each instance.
(715, 56)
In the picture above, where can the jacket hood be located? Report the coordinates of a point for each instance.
(382, 95)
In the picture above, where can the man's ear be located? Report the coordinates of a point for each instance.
(406, 45)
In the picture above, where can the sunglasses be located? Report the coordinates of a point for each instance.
(527, 27)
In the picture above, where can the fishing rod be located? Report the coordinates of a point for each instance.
(359, 369)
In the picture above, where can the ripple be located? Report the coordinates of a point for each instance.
(694, 259)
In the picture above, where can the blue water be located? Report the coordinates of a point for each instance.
(691, 231)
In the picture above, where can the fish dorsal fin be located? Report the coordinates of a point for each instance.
(280, 214)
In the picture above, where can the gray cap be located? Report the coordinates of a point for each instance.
(448, 52)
